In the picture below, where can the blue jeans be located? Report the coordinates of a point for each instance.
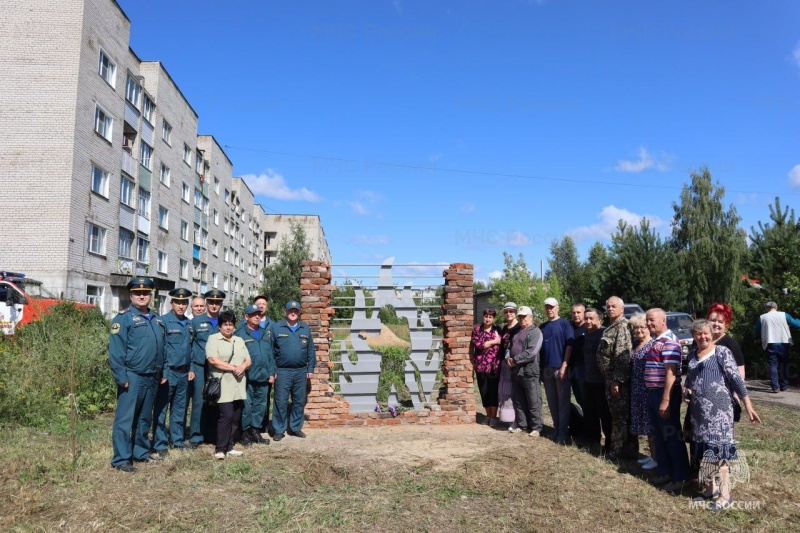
(132, 420)
(290, 381)
(671, 455)
(778, 359)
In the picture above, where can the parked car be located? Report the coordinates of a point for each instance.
(681, 326)
(632, 309)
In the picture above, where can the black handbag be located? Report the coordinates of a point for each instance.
(212, 388)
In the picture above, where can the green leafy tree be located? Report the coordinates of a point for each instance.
(646, 270)
(566, 266)
(520, 285)
(282, 278)
(711, 244)
(596, 273)
(774, 249)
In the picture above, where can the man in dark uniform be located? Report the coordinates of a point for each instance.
(203, 327)
(260, 374)
(295, 359)
(136, 354)
(172, 390)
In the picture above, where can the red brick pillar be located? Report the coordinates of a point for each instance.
(315, 284)
(458, 405)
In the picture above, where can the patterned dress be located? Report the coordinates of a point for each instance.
(640, 420)
(711, 407)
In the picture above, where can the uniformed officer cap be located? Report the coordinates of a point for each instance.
(292, 304)
(180, 294)
(251, 309)
(141, 284)
(214, 295)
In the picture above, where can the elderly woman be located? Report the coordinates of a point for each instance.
(720, 316)
(523, 360)
(710, 383)
(640, 419)
(229, 358)
(483, 354)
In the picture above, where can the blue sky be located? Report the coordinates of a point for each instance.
(451, 131)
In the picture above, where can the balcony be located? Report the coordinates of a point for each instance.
(196, 252)
(147, 132)
(131, 116)
(128, 164)
(145, 178)
(143, 225)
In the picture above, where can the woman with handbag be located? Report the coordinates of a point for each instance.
(710, 383)
(228, 357)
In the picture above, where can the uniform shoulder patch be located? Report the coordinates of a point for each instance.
(115, 328)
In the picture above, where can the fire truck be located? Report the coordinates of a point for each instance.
(23, 300)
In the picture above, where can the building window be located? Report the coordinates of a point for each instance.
(184, 230)
(226, 227)
(94, 295)
(198, 199)
(165, 176)
(103, 123)
(147, 109)
(227, 255)
(204, 238)
(162, 262)
(147, 155)
(107, 69)
(215, 247)
(166, 132)
(126, 192)
(187, 155)
(185, 192)
(97, 240)
(132, 91)
(198, 164)
(197, 238)
(226, 284)
(144, 204)
(227, 196)
(100, 181)
(125, 243)
(142, 247)
(216, 185)
(163, 217)
(216, 217)
(184, 273)
(214, 280)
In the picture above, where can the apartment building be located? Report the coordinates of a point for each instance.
(280, 227)
(102, 171)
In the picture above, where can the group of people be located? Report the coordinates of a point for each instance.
(626, 379)
(161, 363)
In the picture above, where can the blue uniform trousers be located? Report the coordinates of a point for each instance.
(255, 406)
(198, 405)
(132, 419)
(290, 381)
(172, 395)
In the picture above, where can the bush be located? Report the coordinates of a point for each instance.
(35, 368)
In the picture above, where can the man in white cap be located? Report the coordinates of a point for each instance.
(523, 358)
(556, 351)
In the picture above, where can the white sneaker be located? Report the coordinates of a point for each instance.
(219, 455)
(534, 434)
(651, 464)
(235, 453)
(514, 428)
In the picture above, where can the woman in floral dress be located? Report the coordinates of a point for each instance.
(640, 420)
(711, 380)
(485, 361)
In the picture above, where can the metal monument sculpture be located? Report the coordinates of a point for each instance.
(370, 338)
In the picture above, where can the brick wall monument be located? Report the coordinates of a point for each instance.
(456, 403)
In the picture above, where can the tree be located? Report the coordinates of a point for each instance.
(282, 278)
(774, 249)
(711, 245)
(523, 287)
(646, 270)
(566, 266)
(596, 272)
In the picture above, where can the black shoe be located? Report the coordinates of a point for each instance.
(163, 454)
(256, 437)
(193, 445)
(277, 437)
(299, 433)
(151, 459)
(127, 467)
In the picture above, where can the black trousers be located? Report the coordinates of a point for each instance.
(228, 424)
(597, 416)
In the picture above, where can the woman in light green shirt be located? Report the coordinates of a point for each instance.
(229, 359)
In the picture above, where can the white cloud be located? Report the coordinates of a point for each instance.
(495, 274)
(646, 160)
(365, 202)
(796, 54)
(609, 218)
(273, 185)
(794, 176)
(366, 239)
(518, 238)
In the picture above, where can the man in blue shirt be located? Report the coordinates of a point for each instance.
(203, 327)
(136, 355)
(174, 384)
(295, 359)
(556, 352)
(260, 374)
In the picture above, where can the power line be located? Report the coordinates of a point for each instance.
(480, 172)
